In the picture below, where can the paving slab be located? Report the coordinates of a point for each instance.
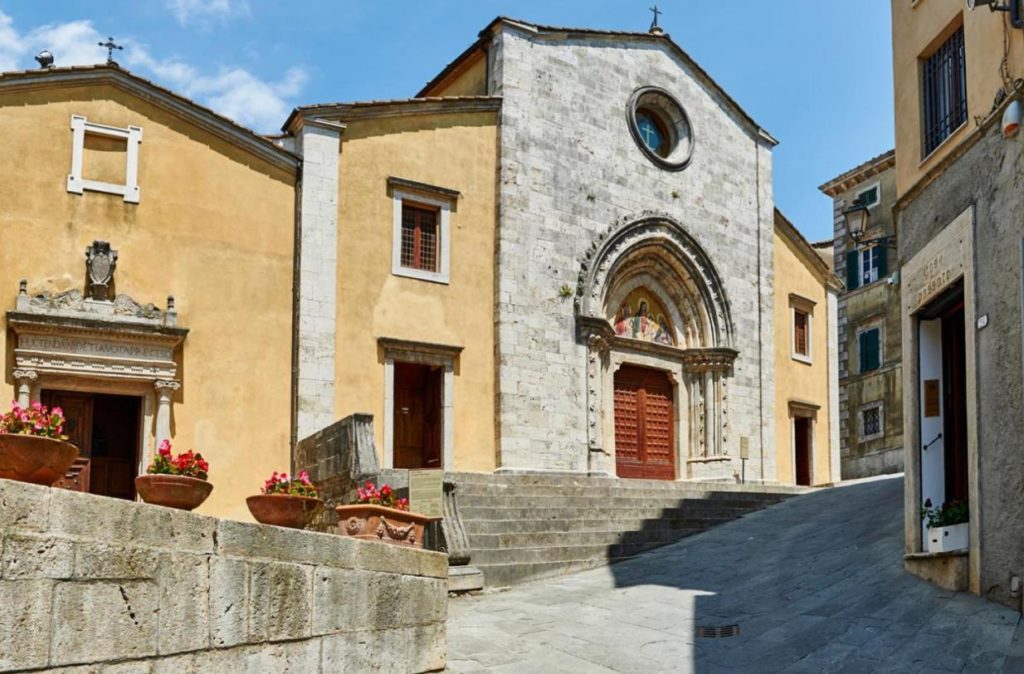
(815, 584)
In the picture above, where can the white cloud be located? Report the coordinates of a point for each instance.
(204, 11)
(232, 91)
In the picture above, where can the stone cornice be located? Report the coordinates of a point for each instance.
(112, 329)
(709, 360)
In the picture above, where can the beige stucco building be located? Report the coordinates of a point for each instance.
(806, 360)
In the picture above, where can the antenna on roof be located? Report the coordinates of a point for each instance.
(44, 59)
(110, 46)
(655, 29)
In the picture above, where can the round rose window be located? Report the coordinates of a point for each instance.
(660, 127)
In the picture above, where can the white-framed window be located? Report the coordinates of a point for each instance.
(132, 138)
(421, 241)
(870, 196)
(871, 422)
(869, 349)
(870, 264)
(802, 313)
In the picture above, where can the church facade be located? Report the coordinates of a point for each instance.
(559, 256)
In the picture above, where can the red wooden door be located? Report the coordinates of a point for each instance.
(417, 416)
(77, 408)
(644, 428)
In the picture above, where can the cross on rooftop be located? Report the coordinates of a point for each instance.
(110, 46)
(656, 11)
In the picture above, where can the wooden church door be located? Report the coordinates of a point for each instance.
(644, 428)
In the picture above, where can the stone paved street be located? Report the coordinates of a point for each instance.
(815, 584)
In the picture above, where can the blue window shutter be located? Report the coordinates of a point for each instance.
(869, 350)
(883, 261)
(852, 270)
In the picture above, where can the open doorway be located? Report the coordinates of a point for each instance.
(803, 443)
(106, 430)
(418, 415)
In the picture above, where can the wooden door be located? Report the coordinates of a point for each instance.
(77, 408)
(644, 424)
(802, 447)
(417, 416)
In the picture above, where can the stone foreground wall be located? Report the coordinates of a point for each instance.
(128, 587)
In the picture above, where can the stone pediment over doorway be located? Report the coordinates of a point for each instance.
(66, 334)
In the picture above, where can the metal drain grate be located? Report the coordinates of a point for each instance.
(718, 632)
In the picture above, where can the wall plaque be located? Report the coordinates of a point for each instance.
(744, 447)
(425, 492)
(931, 397)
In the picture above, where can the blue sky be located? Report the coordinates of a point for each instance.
(817, 75)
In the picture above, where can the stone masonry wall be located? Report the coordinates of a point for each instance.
(117, 586)
(569, 169)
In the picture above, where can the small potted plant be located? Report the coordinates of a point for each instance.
(379, 515)
(286, 501)
(948, 526)
(175, 481)
(33, 447)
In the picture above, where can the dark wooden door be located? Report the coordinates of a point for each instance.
(644, 428)
(954, 378)
(77, 408)
(802, 446)
(417, 416)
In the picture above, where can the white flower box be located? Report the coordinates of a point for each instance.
(948, 539)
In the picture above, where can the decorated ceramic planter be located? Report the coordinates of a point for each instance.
(283, 510)
(173, 491)
(35, 459)
(379, 523)
(948, 539)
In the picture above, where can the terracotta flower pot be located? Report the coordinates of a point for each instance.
(283, 510)
(378, 523)
(31, 458)
(173, 491)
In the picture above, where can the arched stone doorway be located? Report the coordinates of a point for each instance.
(653, 311)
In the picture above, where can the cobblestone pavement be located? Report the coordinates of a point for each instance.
(816, 584)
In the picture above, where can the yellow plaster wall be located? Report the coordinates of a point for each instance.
(917, 29)
(796, 380)
(214, 228)
(471, 81)
(455, 151)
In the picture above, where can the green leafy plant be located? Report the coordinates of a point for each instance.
(565, 291)
(951, 512)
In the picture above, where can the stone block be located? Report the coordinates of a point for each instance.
(36, 556)
(136, 667)
(114, 520)
(184, 609)
(115, 561)
(387, 558)
(423, 600)
(25, 623)
(23, 507)
(240, 539)
(433, 565)
(280, 601)
(384, 601)
(427, 648)
(297, 657)
(229, 601)
(340, 600)
(127, 628)
(358, 652)
(176, 664)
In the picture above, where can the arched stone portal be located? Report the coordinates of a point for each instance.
(649, 297)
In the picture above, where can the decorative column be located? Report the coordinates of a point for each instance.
(599, 459)
(164, 392)
(25, 380)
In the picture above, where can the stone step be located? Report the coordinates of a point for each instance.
(565, 481)
(531, 539)
(494, 527)
(567, 512)
(504, 575)
(614, 488)
(546, 554)
(612, 502)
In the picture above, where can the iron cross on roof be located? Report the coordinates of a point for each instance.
(110, 46)
(656, 11)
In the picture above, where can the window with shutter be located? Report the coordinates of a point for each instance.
(800, 333)
(870, 265)
(852, 270)
(870, 350)
(419, 238)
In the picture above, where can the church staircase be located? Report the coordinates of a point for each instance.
(527, 527)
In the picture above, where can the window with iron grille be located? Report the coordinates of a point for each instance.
(944, 91)
(871, 422)
(419, 238)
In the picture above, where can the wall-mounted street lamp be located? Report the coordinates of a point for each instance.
(857, 217)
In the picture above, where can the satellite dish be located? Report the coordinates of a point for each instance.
(44, 59)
